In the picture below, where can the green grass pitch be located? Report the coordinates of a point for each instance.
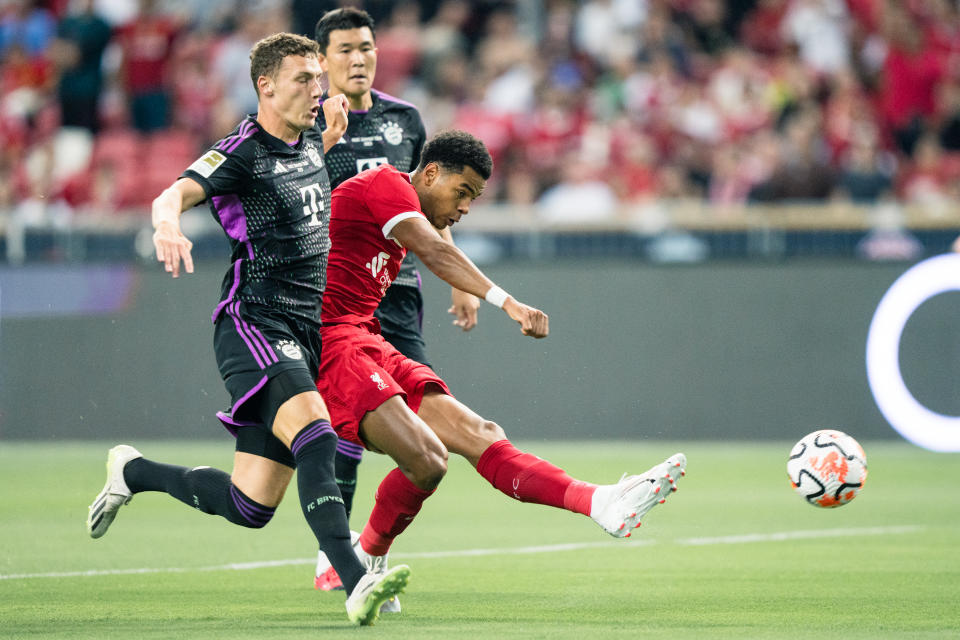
(734, 554)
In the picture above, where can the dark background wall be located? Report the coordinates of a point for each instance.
(728, 350)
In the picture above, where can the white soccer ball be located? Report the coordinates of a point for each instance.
(828, 468)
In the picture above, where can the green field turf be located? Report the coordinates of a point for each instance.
(734, 554)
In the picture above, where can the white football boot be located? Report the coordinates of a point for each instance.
(325, 576)
(373, 590)
(378, 565)
(115, 492)
(619, 507)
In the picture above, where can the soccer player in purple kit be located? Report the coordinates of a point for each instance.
(268, 187)
(381, 130)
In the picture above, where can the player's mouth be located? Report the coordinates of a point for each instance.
(315, 111)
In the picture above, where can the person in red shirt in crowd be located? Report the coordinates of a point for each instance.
(147, 45)
(911, 73)
(390, 404)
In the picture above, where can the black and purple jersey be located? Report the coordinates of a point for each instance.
(272, 200)
(390, 132)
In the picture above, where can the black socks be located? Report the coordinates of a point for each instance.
(203, 488)
(345, 467)
(313, 449)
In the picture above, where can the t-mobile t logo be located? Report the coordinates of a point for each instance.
(369, 163)
(312, 196)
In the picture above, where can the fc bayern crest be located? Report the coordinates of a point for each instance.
(290, 349)
(314, 156)
(392, 132)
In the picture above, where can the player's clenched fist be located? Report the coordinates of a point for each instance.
(172, 247)
(533, 322)
(335, 113)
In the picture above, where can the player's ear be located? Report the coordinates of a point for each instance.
(265, 85)
(430, 173)
(322, 59)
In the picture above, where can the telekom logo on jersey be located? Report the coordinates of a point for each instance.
(312, 196)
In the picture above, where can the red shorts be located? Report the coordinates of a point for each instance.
(359, 371)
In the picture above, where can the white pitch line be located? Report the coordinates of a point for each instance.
(551, 548)
(799, 535)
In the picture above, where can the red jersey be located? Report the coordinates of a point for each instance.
(364, 258)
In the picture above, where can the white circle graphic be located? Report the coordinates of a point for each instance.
(915, 422)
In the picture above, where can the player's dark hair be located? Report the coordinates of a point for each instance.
(453, 150)
(340, 19)
(267, 55)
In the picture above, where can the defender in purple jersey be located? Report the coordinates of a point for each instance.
(268, 188)
(381, 130)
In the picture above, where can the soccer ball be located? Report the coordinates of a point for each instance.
(827, 467)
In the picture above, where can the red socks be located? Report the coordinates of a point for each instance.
(397, 502)
(527, 478)
(520, 475)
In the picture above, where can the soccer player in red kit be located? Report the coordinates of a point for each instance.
(390, 404)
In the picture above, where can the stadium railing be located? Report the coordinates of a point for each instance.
(659, 231)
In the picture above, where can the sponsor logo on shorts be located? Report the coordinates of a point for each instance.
(381, 385)
(290, 349)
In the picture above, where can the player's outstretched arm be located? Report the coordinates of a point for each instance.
(956, 245)
(465, 307)
(452, 266)
(170, 243)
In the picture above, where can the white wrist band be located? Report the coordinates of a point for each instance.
(496, 296)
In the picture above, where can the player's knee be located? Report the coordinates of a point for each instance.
(489, 432)
(247, 512)
(430, 468)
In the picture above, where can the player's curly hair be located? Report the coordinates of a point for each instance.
(345, 19)
(454, 149)
(267, 55)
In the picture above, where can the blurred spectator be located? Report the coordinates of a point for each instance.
(865, 178)
(819, 29)
(579, 197)
(705, 25)
(761, 29)
(443, 38)
(399, 45)
(730, 181)
(82, 37)
(230, 74)
(27, 25)
(928, 180)
(911, 72)
(607, 28)
(147, 46)
(948, 115)
(803, 173)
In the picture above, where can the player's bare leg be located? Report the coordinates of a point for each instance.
(422, 462)
(617, 508)
(261, 479)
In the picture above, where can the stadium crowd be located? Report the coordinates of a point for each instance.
(584, 105)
